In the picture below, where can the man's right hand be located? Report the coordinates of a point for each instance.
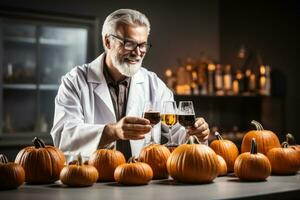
(127, 128)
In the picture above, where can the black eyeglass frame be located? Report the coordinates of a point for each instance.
(134, 44)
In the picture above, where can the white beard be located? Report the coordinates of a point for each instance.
(124, 68)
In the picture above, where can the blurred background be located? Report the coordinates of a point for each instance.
(237, 60)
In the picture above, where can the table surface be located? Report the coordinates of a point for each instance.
(229, 187)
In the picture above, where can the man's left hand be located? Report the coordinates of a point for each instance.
(200, 129)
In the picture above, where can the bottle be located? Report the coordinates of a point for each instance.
(227, 80)
(219, 80)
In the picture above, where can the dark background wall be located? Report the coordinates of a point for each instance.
(218, 28)
(178, 28)
(271, 29)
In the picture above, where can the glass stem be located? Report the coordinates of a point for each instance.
(170, 134)
(151, 136)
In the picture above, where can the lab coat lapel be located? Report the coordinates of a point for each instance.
(135, 104)
(96, 77)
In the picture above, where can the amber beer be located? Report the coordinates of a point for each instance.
(169, 119)
(152, 116)
(186, 120)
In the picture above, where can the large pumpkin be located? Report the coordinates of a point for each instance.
(156, 156)
(265, 139)
(252, 166)
(12, 175)
(284, 160)
(226, 149)
(77, 174)
(106, 161)
(42, 163)
(133, 173)
(193, 163)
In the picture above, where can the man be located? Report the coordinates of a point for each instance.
(100, 103)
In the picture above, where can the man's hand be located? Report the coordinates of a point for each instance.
(200, 129)
(128, 128)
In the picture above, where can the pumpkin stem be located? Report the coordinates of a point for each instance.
(79, 158)
(132, 160)
(3, 159)
(258, 126)
(217, 134)
(284, 145)
(253, 146)
(38, 143)
(193, 140)
(290, 139)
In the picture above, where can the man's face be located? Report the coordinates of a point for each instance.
(124, 56)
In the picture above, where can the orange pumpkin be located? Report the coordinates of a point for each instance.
(222, 169)
(77, 174)
(227, 149)
(106, 161)
(133, 173)
(42, 163)
(284, 160)
(265, 139)
(193, 163)
(12, 175)
(156, 156)
(252, 166)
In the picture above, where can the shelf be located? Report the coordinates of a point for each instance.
(53, 87)
(44, 41)
(49, 87)
(55, 42)
(20, 86)
(29, 40)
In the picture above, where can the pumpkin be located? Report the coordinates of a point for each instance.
(252, 166)
(77, 174)
(133, 173)
(193, 163)
(156, 156)
(227, 149)
(222, 169)
(106, 161)
(12, 175)
(265, 139)
(42, 163)
(284, 160)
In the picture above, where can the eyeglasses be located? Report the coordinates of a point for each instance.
(131, 45)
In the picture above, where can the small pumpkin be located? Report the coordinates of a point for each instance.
(133, 173)
(227, 149)
(193, 163)
(12, 175)
(252, 166)
(156, 156)
(106, 161)
(42, 163)
(284, 160)
(265, 139)
(222, 169)
(77, 174)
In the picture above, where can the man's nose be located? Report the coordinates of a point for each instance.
(137, 51)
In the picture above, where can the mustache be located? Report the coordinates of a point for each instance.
(133, 57)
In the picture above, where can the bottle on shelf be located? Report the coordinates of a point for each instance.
(227, 80)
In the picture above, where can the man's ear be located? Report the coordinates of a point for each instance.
(107, 42)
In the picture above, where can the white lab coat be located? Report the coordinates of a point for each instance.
(83, 107)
